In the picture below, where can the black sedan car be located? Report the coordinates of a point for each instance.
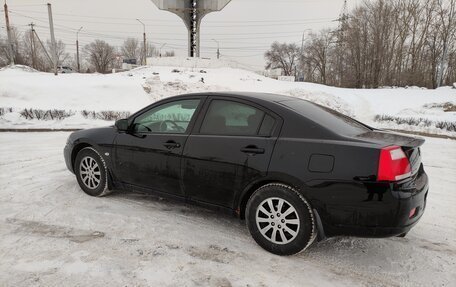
(292, 169)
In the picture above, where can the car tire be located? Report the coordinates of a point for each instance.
(91, 172)
(287, 229)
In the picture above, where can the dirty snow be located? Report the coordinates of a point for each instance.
(52, 234)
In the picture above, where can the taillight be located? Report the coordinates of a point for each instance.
(412, 212)
(393, 165)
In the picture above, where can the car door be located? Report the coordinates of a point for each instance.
(231, 147)
(152, 148)
(122, 157)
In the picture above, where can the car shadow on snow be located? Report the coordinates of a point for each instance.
(163, 204)
(367, 258)
(181, 208)
(332, 246)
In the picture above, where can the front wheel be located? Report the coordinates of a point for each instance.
(91, 172)
(280, 220)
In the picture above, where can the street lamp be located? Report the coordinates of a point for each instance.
(144, 41)
(160, 50)
(77, 49)
(218, 48)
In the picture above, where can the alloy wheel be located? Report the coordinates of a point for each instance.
(277, 220)
(90, 172)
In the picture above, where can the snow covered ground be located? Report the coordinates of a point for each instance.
(129, 91)
(52, 234)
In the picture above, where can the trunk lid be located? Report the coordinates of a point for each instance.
(387, 138)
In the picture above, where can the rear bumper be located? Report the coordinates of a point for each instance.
(403, 223)
(385, 215)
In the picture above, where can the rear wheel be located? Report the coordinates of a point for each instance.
(280, 220)
(91, 172)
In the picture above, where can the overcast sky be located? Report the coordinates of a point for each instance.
(244, 29)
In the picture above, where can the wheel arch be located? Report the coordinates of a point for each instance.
(77, 148)
(244, 197)
(82, 145)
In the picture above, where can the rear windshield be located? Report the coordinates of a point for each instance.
(326, 117)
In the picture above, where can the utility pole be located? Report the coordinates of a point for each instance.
(301, 76)
(144, 42)
(218, 48)
(53, 49)
(8, 31)
(343, 17)
(32, 43)
(77, 49)
(42, 46)
(302, 53)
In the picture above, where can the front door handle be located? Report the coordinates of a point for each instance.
(252, 149)
(171, 144)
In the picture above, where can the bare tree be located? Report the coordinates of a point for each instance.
(130, 49)
(33, 53)
(283, 56)
(151, 51)
(169, 54)
(446, 11)
(4, 55)
(318, 53)
(133, 49)
(385, 42)
(62, 55)
(100, 55)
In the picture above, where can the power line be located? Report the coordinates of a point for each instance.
(178, 46)
(231, 41)
(175, 46)
(25, 5)
(93, 33)
(103, 34)
(73, 29)
(210, 25)
(173, 21)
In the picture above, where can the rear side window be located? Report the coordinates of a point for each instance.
(326, 117)
(267, 126)
(232, 118)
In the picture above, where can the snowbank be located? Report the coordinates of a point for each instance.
(190, 62)
(129, 91)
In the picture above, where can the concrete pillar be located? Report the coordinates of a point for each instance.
(189, 11)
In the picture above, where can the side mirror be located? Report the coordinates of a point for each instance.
(122, 125)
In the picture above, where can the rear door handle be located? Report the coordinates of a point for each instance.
(252, 149)
(171, 144)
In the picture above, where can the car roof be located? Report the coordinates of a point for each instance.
(269, 100)
(269, 97)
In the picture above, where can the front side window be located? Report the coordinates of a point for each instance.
(231, 118)
(171, 117)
